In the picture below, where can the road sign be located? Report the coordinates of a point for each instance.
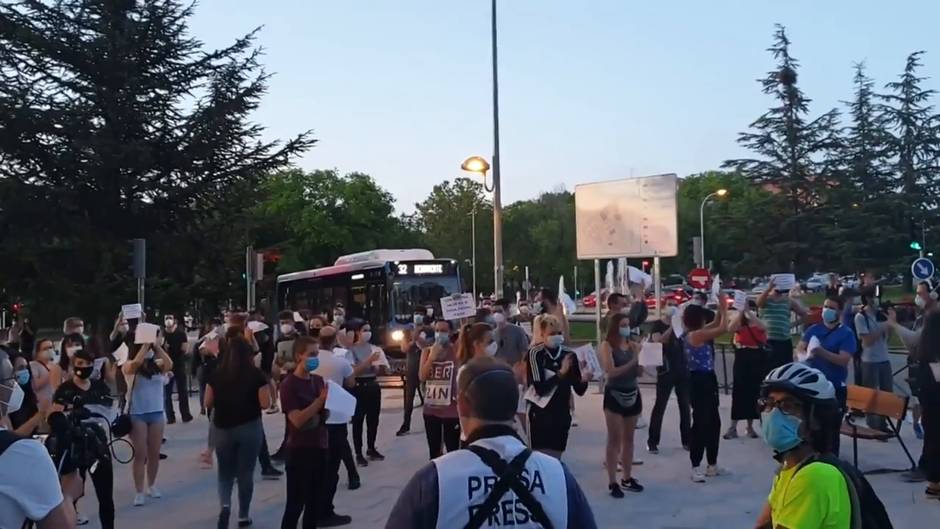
(699, 277)
(922, 268)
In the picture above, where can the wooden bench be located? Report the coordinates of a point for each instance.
(875, 402)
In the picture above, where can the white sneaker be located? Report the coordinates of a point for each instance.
(713, 471)
(640, 423)
(697, 475)
(154, 493)
(637, 460)
(138, 500)
(81, 519)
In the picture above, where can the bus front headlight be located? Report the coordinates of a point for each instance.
(398, 335)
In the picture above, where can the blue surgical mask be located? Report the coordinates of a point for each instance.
(781, 431)
(22, 377)
(625, 332)
(554, 341)
(442, 338)
(312, 363)
(419, 319)
(830, 315)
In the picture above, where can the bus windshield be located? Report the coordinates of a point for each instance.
(412, 293)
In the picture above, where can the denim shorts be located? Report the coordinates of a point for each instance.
(154, 417)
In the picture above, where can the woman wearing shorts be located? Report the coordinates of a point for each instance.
(554, 372)
(619, 356)
(146, 374)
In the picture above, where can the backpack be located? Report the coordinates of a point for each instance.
(867, 510)
(7, 438)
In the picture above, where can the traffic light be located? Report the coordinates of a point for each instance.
(646, 265)
(916, 246)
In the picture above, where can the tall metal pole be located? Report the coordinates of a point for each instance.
(657, 289)
(597, 299)
(249, 278)
(473, 247)
(701, 223)
(497, 204)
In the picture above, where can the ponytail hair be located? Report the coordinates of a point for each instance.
(469, 335)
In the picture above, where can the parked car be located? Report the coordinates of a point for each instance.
(679, 295)
(759, 289)
(816, 283)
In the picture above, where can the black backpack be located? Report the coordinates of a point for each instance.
(867, 510)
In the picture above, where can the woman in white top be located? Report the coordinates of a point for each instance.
(146, 377)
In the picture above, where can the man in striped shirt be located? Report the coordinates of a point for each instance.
(776, 306)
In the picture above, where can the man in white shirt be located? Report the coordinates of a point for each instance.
(29, 485)
(335, 368)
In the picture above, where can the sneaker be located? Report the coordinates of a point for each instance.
(932, 493)
(631, 485)
(615, 490)
(374, 455)
(918, 430)
(574, 422)
(354, 483)
(697, 475)
(187, 419)
(224, 515)
(138, 499)
(334, 520)
(732, 433)
(271, 474)
(163, 456)
(914, 476)
(752, 434)
(171, 420)
(280, 455)
(81, 519)
(713, 471)
(404, 430)
(637, 461)
(361, 461)
(651, 448)
(154, 493)
(244, 522)
(640, 423)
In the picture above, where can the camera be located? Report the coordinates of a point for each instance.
(78, 441)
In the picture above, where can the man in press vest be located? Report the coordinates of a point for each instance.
(496, 481)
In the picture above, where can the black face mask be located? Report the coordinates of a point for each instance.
(315, 332)
(83, 373)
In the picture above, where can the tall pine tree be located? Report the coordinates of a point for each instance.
(790, 157)
(115, 123)
(915, 146)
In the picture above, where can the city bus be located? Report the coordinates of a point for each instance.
(384, 287)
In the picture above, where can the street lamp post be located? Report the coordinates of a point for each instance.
(701, 220)
(497, 199)
(473, 247)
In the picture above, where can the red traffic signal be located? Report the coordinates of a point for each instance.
(17, 307)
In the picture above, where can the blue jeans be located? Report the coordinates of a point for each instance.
(237, 451)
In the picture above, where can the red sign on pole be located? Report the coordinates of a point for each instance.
(699, 278)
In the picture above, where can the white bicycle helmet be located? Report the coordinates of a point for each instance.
(801, 380)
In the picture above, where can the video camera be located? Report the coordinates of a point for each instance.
(77, 441)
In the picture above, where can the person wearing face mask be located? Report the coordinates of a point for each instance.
(289, 331)
(416, 339)
(27, 420)
(303, 397)
(91, 394)
(339, 316)
(146, 374)
(553, 372)
(698, 345)
(832, 356)
(116, 339)
(46, 374)
(315, 324)
(438, 494)
(177, 347)
(619, 356)
(369, 361)
(775, 309)
(30, 489)
(750, 366)
(71, 344)
(673, 375)
(336, 369)
(439, 364)
(512, 342)
(525, 315)
(616, 304)
(876, 365)
(811, 489)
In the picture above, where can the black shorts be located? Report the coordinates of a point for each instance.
(548, 430)
(612, 405)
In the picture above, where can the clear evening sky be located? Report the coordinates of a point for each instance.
(589, 89)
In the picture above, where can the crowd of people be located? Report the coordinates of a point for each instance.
(497, 393)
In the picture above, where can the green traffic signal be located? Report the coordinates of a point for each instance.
(915, 245)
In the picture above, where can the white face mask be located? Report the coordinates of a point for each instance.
(919, 301)
(80, 330)
(16, 399)
(554, 341)
(366, 336)
(287, 328)
(72, 349)
(169, 323)
(499, 318)
(491, 349)
(430, 312)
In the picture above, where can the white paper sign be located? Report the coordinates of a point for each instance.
(586, 354)
(716, 288)
(256, 326)
(146, 333)
(120, 354)
(132, 312)
(651, 355)
(740, 300)
(341, 403)
(458, 306)
(813, 344)
(783, 282)
(298, 318)
(541, 401)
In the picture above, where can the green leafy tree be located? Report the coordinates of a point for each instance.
(791, 154)
(115, 124)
